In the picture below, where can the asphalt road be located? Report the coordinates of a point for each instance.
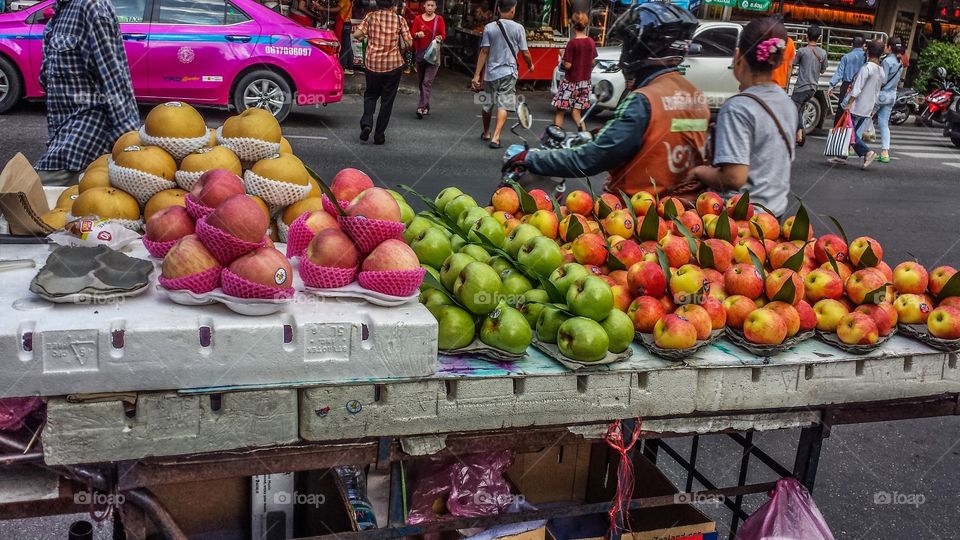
(910, 206)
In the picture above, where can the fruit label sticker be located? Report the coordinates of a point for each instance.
(69, 351)
(354, 406)
(173, 104)
(280, 277)
(203, 150)
(924, 307)
(505, 273)
(495, 314)
(325, 341)
(132, 149)
(275, 156)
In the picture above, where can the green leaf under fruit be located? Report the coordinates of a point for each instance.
(786, 292)
(743, 207)
(869, 259)
(556, 209)
(650, 227)
(843, 234)
(756, 226)
(614, 263)
(758, 265)
(765, 209)
(326, 190)
(664, 263)
(705, 256)
(552, 291)
(670, 211)
(574, 229)
(691, 241)
(795, 262)
(603, 209)
(801, 224)
(527, 203)
(951, 287)
(562, 308)
(833, 261)
(878, 295)
(722, 230)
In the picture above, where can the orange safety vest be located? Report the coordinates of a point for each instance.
(675, 140)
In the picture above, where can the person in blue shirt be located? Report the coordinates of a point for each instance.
(848, 68)
(892, 70)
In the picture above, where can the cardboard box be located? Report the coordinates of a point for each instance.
(209, 508)
(555, 474)
(22, 200)
(272, 498)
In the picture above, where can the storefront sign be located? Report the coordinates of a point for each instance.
(749, 5)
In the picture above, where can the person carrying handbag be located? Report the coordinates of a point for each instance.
(892, 70)
(429, 31)
(387, 37)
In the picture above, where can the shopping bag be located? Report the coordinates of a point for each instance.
(840, 137)
(789, 514)
(432, 54)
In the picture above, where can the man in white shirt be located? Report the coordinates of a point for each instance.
(863, 98)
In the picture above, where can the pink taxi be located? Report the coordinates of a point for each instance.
(226, 53)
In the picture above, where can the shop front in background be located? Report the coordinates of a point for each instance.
(836, 13)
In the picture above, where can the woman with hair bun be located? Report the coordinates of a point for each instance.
(573, 92)
(755, 136)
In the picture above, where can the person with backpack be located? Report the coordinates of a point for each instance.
(754, 146)
(892, 65)
(812, 62)
(497, 71)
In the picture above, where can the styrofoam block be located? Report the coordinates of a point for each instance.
(742, 422)
(56, 350)
(167, 424)
(663, 393)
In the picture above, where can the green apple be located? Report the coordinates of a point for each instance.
(434, 299)
(515, 284)
(582, 339)
(590, 297)
(619, 328)
(500, 263)
(506, 329)
(415, 227)
(432, 247)
(548, 324)
(451, 267)
(432, 271)
(457, 242)
(459, 205)
(406, 213)
(532, 304)
(564, 276)
(541, 255)
(470, 216)
(477, 288)
(456, 327)
(477, 252)
(518, 236)
(490, 229)
(445, 196)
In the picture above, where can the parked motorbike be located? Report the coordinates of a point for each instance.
(907, 104)
(938, 102)
(552, 138)
(952, 127)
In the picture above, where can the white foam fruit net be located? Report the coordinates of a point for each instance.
(248, 150)
(282, 230)
(141, 185)
(186, 179)
(175, 146)
(274, 193)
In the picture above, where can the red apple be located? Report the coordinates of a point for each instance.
(744, 280)
(832, 244)
(738, 308)
(718, 315)
(348, 183)
(241, 217)
(808, 317)
(939, 277)
(333, 248)
(375, 203)
(266, 266)
(884, 315)
(187, 257)
(391, 255)
(645, 311)
(170, 223)
(776, 280)
(216, 186)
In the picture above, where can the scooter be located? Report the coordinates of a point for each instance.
(907, 103)
(952, 127)
(553, 138)
(938, 101)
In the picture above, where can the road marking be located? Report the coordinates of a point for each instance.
(920, 147)
(957, 165)
(950, 155)
(313, 137)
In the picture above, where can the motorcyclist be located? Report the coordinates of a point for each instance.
(659, 130)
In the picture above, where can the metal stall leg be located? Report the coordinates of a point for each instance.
(808, 455)
(650, 448)
(694, 446)
(741, 480)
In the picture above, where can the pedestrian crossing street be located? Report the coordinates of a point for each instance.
(923, 143)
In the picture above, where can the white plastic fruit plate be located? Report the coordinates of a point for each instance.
(354, 290)
(150, 343)
(251, 307)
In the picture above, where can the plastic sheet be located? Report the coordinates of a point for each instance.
(13, 411)
(472, 485)
(790, 513)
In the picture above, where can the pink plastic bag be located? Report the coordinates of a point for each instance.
(471, 486)
(13, 411)
(790, 514)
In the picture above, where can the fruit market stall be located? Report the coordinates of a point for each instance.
(267, 322)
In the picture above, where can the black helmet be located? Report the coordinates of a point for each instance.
(654, 34)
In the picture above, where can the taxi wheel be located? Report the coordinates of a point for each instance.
(266, 90)
(9, 85)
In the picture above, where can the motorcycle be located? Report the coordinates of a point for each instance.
(907, 103)
(553, 138)
(952, 127)
(938, 101)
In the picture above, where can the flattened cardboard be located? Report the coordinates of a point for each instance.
(22, 200)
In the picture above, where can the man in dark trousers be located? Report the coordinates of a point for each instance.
(812, 62)
(847, 70)
(86, 78)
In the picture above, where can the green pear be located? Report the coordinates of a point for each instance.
(445, 196)
(582, 339)
(432, 247)
(500, 263)
(433, 272)
(506, 329)
(590, 297)
(532, 304)
(489, 228)
(476, 251)
(434, 299)
(619, 328)
(451, 267)
(548, 324)
(406, 213)
(457, 328)
(459, 205)
(565, 275)
(518, 236)
(540, 255)
(415, 227)
(515, 284)
(477, 288)
(457, 242)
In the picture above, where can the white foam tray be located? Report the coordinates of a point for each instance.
(150, 343)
